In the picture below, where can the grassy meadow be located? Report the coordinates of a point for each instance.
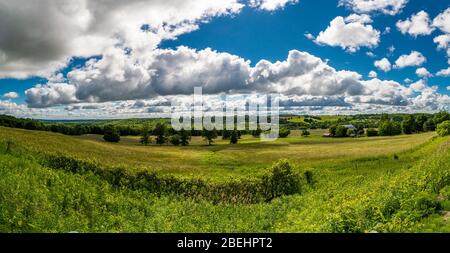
(384, 184)
(245, 158)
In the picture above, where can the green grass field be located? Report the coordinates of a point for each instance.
(384, 184)
(221, 159)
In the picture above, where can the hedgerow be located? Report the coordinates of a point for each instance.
(277, 181)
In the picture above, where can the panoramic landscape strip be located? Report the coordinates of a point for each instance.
(224, 124)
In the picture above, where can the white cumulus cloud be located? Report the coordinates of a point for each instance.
(442, 21)
(383, 64)
(11, 94)
(350, 33)
(444, 72)
(389, 7)
(271, 5)
(423, 72)
(40, 37)
(413, 59)
(417, 24)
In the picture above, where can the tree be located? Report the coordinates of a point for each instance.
(145, 135)
(420, 122)
(332, 130)
(360, 130)
(409, 125)
(185, 137)
(175, 140)
(384, 117)
(226, 135)
(257, 133)
(341, 131)
(234, 137)
(351, 132)
(284, 132)
(371, 132)
(209, 135)
(111, 134)
(305, 133)
(443, 128)
(441, 117)
(160, 132)
(429, 125)
(389, 128)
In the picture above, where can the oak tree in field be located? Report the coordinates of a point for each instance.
(160, 132)
(284, 132)
(234, 137)
(145, 135)
(257, 133)
(209, 135)
(185, 137)
(111, 134)
(305, 133)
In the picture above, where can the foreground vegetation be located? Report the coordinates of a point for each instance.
(49, 183)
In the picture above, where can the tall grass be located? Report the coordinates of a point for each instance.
(277, 181)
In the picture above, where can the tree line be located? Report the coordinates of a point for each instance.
(390, 126)
(67, 129)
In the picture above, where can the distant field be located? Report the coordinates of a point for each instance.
(221, 159)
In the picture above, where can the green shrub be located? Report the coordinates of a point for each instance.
(305, 133)
(284, 132)
(175, 140)
(443, 128)
(280, 181)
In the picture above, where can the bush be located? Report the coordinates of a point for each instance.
(111, 134)
(234, 137)
(284, 132)
(280, 181)
(371, 132)
(443, 128)
(175, 140)
(257, 133)
(305, 132)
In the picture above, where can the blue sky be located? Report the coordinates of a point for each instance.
(70, 60)
(257, 35)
